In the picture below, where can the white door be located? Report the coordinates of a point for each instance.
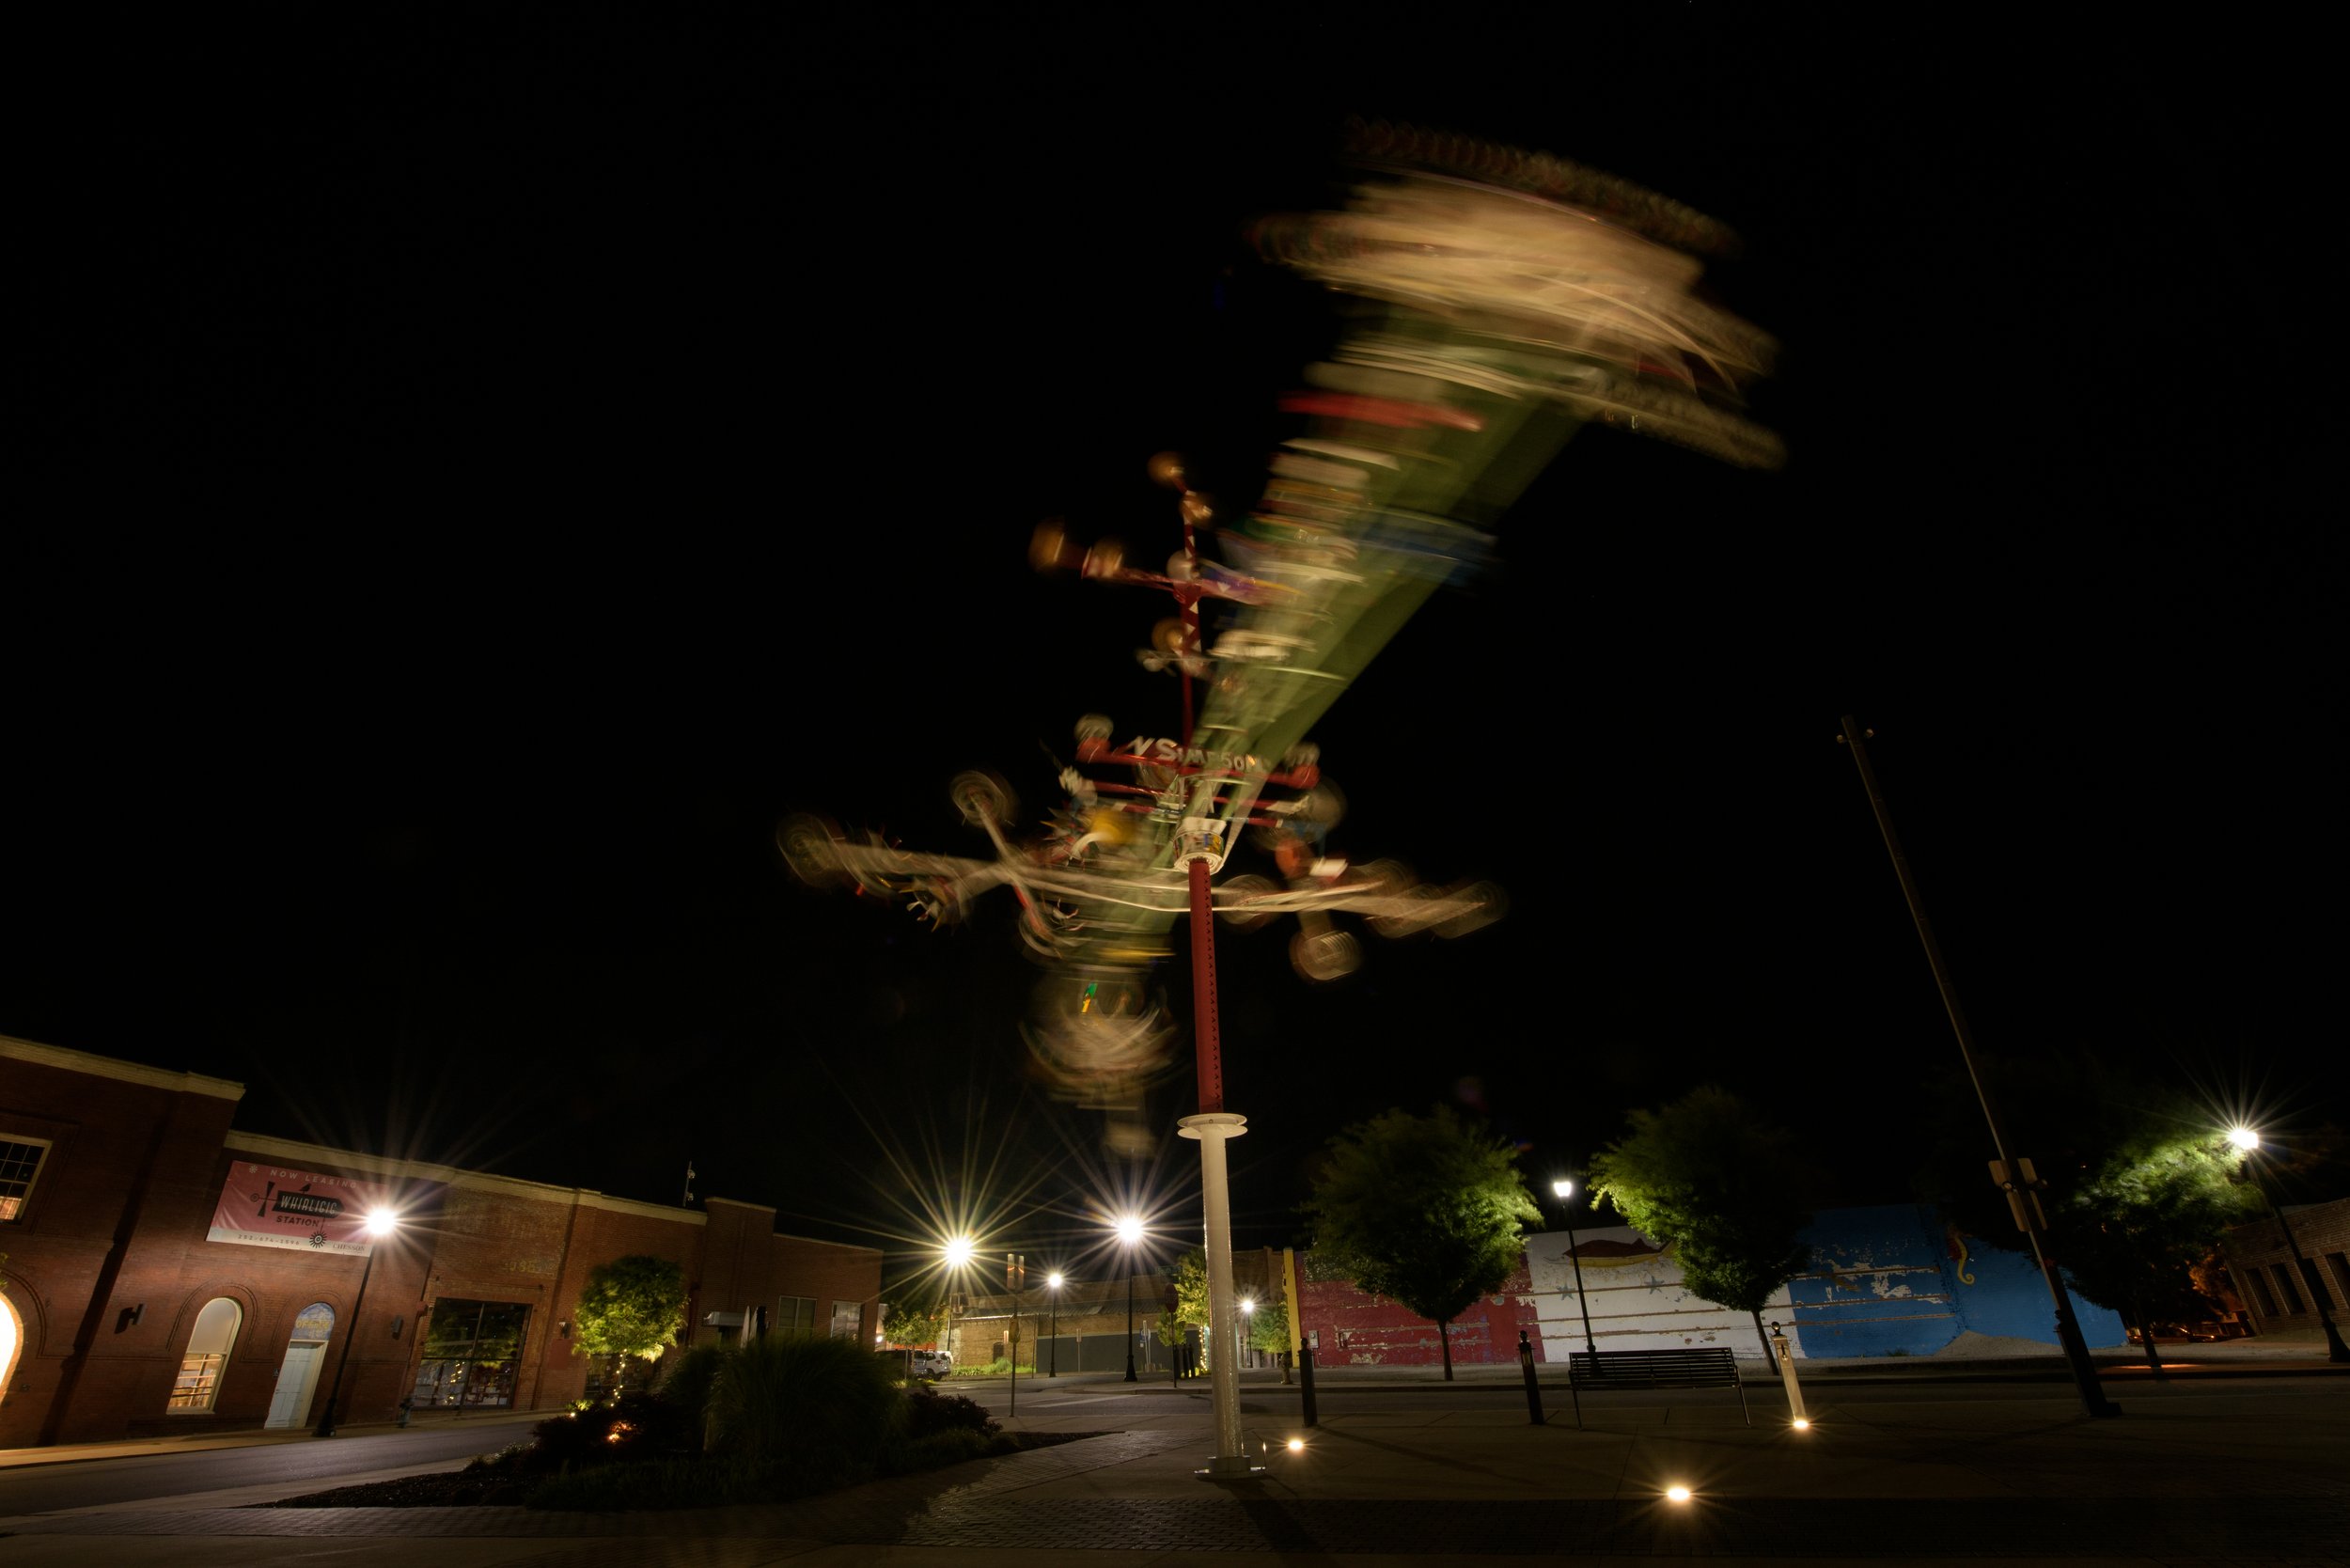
(298, 1377)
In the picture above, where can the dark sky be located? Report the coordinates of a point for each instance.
(486, 467)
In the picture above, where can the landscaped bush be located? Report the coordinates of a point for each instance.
(929, 1411)
(817, 1409)
(686, 1378)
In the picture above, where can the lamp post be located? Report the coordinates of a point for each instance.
(2249, 1141)
(2025, 1204)
(1564, 1189)
(1130, 1231)
(956, 1254)
(1248, 1330)
(380, 1223)
(1051, 1333)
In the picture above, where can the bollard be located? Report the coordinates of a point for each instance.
(1533, 1390)
(1786, 1354)
(1306, 1386)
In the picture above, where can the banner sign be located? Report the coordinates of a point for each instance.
(266, 1205)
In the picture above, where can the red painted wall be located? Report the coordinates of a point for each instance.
(1358, 1329)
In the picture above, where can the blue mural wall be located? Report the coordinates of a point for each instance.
(1895, 1280)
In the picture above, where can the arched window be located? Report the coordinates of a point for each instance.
(207, 1354)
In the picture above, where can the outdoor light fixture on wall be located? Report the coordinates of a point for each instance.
(397, 1323)
(565, 1328)
(129, 1317)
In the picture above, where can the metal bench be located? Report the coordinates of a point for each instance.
(1698, 1367)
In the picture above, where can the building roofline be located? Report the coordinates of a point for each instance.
(471, 1181)
(109, 1067)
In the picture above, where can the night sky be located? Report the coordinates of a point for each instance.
(486, 467)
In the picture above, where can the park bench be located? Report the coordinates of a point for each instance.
(1698, 1367)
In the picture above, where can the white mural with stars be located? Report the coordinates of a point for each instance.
(1635, 1297)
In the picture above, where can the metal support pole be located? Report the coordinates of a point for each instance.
(1306, 1387)
(334, 1389)
(1052, 1336)
(2068, 1329)
(1129, 1315)
(1580, 1299)
(1224, 1377)
(1525, 1370)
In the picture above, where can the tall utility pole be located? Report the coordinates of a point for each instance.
(2011, 1174)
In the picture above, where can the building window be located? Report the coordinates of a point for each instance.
(2286, 1288)
(795, 1314)
(2262, 1295)
(20, 1168)
(848, 1320)
(206, 1356)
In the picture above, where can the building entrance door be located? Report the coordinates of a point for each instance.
(298, 1375)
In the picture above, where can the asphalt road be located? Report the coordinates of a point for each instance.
(145, 1477)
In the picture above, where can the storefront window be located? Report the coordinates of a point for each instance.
(206, 1356)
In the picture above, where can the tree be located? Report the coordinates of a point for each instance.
(1728, 1192)
(915, 1323)
(1422, 1210)
(1269, 1327)
(632, 1306)
(2141, 1180)
(1188, 1279)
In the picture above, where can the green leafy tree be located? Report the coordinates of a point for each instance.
(2138, 1222)
(1424, 1210)
(630, 1306)
(1190, 1279)
(2139, 1178)
(1269, 1327)
(1727, 1191)
(915, 1323)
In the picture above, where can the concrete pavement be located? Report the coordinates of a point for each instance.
(2239, 1470)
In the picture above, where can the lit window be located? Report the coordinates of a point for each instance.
(206, 1356)
(848, 1320)
(20, 1168)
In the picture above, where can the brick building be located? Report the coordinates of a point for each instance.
(163, 1271)
(2282, 1298)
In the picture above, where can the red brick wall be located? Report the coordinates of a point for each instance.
(126, 1195)
(1364, 1330)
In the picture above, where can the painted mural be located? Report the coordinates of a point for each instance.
(1890, 1280)
(1632, 1289)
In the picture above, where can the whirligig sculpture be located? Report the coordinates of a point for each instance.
(1504, 299)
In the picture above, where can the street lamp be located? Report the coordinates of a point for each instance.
(1564, 1189)
(380, 1223)
(2249, 1141)
(1130, 1231)
(1247, 1325)
(956, 1254)
(1052, 1335)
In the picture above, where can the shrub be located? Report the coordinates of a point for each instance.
(819, 1409)
(951, 1446)
(929, 1411)
(686, 1380)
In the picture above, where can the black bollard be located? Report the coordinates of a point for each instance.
(1533, 1390)
(1306, 1386)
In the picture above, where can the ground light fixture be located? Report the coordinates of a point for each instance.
(1677, 1494)
(1298, 1445)
(1803, 1423)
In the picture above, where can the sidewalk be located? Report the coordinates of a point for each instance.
(2234, 1473)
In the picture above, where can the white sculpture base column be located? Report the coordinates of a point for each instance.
(1229, 1461)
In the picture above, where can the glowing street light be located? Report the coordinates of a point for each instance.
(2249, 1141)
(958, 1251)
(380, 1223)
(1677, 1494)
(1129, 1229)
(1247, 1324)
